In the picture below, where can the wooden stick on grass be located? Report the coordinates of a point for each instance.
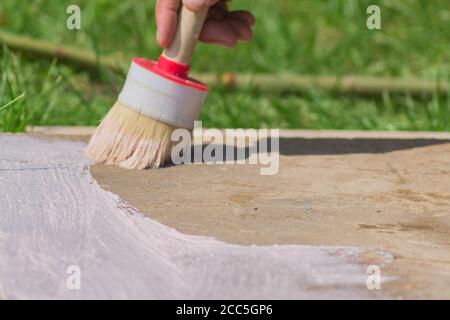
(350, 84)
(47, 49)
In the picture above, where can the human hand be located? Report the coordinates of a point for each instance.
(221, 27)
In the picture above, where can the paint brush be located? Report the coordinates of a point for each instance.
(157, 98)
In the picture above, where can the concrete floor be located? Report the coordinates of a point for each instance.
(388, 192)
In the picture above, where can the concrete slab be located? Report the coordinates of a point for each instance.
(64, 237)
(387, 192)
(384, 191)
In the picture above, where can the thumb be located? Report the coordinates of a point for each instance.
(197, 5)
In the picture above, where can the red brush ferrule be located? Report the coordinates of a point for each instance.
(173, 71)
(172, 67)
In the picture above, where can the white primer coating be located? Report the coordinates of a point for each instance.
(161, 99)
(54, 215)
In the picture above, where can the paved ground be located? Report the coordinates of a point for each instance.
(389, 192)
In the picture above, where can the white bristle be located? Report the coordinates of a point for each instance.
(130, 140)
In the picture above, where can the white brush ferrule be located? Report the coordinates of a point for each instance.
(161, 98)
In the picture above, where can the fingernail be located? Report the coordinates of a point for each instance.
(159, 37)
(196, 4)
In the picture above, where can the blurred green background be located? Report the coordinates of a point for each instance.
(291, 36)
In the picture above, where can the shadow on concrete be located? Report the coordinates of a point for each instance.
(328, 146)
(320, 146)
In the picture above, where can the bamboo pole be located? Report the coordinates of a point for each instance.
(349, 84)
(46, 49)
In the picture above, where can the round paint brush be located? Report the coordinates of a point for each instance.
(157, 98)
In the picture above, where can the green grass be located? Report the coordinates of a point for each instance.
(298, 36)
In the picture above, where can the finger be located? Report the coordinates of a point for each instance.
(197, 5)
(218, 11)
(166, 21)
(241, 28)
(221, 6)
(219, 32)
(242, 15)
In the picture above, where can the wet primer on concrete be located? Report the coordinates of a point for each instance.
(53, 214)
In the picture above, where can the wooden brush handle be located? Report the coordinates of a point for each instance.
(190, 25)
